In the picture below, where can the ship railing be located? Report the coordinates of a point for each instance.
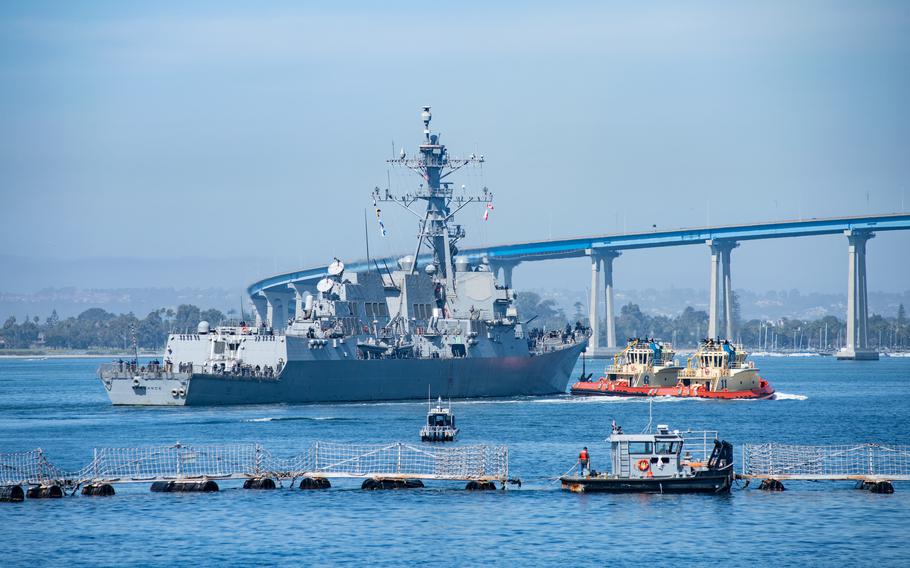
(113, 370)
(846, 461)
(698, 444)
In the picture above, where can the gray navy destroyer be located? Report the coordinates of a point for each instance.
(439, 321)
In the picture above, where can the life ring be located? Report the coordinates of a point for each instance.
(643, 465)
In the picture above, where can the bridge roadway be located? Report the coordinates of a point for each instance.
(272, 294)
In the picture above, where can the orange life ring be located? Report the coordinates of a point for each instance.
(643, 465)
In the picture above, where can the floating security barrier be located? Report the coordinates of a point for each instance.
(207, 486)
(98, 490)
(259, 483)
(11, 493)
(373, 484)
(45, 492)
(315, 483)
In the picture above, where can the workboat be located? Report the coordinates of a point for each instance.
(717, 370)
(660, 462)
(440, 426)
(371, 331)
(643, 363)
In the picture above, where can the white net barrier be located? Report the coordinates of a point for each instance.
(879, 460)
(176, 462)
(398, 459)
(251, 460)
(28, 468)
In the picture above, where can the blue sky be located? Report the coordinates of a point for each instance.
(243, 131)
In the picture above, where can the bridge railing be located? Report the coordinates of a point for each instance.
(849, 461)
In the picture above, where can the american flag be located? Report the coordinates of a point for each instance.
(486, 213)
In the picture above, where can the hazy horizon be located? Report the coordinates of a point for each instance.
(249, 137)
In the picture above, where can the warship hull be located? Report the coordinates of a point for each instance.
(356, 380)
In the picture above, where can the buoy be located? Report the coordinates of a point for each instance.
(378, 483)
(45, 492)
(259, 483)
(11, 494)
(480, 486)
(771, 485)
(315, 483)
(881, 487)
(98, 490)
(207, 486)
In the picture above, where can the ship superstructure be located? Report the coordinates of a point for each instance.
(437, 320)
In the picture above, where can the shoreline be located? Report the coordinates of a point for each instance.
(78, 356)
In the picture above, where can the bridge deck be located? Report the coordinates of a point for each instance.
(577, 246)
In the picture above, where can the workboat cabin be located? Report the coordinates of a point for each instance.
(660, 463)
(440, 426)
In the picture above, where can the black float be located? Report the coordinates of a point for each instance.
(11, 494)
(480, 486)
(315, 483)
(98, 490)
(45, 492)
(379, 483)
(259, 483)
(207, 486)
(771, 485)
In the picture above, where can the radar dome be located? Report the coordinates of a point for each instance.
(430, 269)
(406, 262)
(202, 328)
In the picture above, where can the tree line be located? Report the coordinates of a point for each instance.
(97, 328)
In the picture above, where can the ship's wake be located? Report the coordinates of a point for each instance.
(788, 396)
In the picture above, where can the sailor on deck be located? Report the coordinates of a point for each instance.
(583, 460)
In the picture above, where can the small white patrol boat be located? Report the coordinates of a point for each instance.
(440, 426)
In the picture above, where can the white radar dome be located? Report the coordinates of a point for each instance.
(203, 327)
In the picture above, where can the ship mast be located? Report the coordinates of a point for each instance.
(434, 165)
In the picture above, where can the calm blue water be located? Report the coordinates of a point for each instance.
(59, 406)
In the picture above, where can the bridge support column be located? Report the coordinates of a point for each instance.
(608, 258)
(300, 291)
(857, 299)
(712, 301)
(506, 266)
(594, 313)
(277, 303)
(261, 306)
(720, 257)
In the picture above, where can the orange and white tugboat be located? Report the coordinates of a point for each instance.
(717, 370)
(643, 364)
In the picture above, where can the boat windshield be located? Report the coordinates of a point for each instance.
(640, 448)
(437, 420)
(667, 447)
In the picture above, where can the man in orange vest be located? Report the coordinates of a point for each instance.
(583, 460)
